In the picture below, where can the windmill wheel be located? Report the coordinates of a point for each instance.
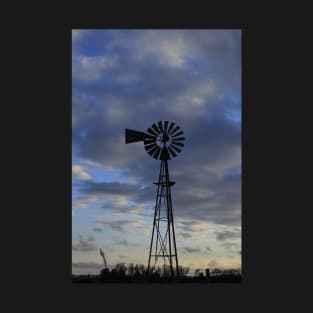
(166, 140)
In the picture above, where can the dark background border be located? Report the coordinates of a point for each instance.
(41, 269)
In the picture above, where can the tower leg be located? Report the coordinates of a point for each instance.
(154, 220)
(171, 218)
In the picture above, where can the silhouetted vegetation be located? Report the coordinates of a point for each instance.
(138, 274)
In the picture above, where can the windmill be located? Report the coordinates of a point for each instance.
(163, 141)
(104, 260)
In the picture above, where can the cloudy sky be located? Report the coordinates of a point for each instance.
(131, 79)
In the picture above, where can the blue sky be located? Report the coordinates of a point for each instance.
(131, 79)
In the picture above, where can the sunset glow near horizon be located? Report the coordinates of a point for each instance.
(131, 79)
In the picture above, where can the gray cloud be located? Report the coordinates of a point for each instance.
(189, 76)
(191, 249)
(213, 264)
(184, 235)
(231, 246)
(117, 225)
(123, 242)
(140, 103)
(227, 234)
(84, 245)
(91, 238)
(97, 229)
(205, 196)
(86, 268)
(87, 265)
(102, 188)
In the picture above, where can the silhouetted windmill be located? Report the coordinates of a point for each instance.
(163, 141)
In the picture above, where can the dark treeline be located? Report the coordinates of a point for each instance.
(138, 274)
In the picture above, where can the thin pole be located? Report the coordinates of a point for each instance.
(173, 229)
(172, 220)
(168, 209)
(155, 212)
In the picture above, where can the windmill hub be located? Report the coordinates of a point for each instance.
(165, 137)
(163, 140)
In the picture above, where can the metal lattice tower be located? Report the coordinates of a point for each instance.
(163, 141)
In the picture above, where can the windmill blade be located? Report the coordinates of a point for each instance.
(149, 141)
(179, 139)
(178, 150)
(161, 126)
(170, 128)
(154, 126)
(165, 126)
(151, 151)
(149, 136)
(177, 143)
(134, 136)
(153, 133)
(172, 152)
(157, 153)
(180, 133)
(150, 146)
(174, 130)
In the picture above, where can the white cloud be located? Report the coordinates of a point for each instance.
(120, 202)
(171, 52)
(79, 34)
(83, 202)
(195, 100)
(90, 163)
(79, 172)
(84, 246)
(91, 68)
(128, 78)
(168, 47)
(136, 209)
(117, 223)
